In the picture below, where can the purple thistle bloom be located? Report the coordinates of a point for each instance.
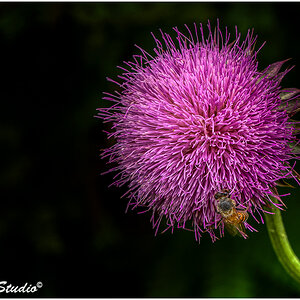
(196, 119)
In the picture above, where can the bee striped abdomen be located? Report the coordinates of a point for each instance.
(237, 217)
(243, 216)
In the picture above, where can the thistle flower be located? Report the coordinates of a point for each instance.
(196, 119)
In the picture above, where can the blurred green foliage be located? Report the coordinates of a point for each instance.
(59, 221)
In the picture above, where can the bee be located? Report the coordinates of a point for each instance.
(232, 217)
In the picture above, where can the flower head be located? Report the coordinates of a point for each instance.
(196, 119)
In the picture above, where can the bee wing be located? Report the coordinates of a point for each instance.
(232, 229)
(236, 230)
(241, 230)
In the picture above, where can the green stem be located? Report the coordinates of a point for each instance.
(281, 244)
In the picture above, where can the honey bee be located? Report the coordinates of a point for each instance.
(232, 217)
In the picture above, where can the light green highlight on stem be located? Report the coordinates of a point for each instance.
(281, 244)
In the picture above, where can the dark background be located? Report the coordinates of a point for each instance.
(59, 222)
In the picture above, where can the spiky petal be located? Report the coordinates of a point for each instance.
(198, 118)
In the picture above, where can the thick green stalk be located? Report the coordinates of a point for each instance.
(280, 243)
